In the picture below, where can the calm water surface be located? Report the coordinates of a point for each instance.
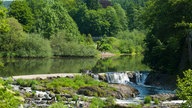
(72, 65)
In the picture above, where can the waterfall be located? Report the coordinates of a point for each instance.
(123, 78)
(117, 77)
(141, 77)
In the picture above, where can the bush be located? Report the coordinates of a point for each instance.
(156, 101)
(63, 44)
(27, 83)
(35, 46)
(147, 100)
(97, 103)
(109, 44)
(9, 99)
(184, 85)
(131, 41)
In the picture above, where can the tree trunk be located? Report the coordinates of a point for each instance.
(186, 56)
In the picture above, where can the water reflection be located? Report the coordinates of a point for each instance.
(71, 65)
(120, 64)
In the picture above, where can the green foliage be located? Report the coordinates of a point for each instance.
(133, 9)
(100, 22)
(65, 44)
(4, 26)
(125, 42)
(167, 35)
(109, 44)
(131, 41)
(156, 101)
(184, 90)
(34, 46)
(21, 11)
(147, 100)
(121, 16)
(74, 83)
(51, 17)
(57, 105)
(12, 40)
(1, 66)
(110, 102)
(8, 98)
(92, 4)
(97, 103)
(26, 82)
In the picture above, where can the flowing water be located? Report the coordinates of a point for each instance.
(140, 77)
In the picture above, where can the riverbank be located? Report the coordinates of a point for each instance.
(45, 91)
(120, 100)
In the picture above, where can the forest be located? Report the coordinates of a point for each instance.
(39, 28)
(161, 30)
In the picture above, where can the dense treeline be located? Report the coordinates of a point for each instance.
(169, 35)
(42, 28)
(32, 28)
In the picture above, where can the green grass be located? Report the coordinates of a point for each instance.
(75, 83)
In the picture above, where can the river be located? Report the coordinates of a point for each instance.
(33, 66)
(18, 66)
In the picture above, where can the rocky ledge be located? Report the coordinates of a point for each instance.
(118, 91)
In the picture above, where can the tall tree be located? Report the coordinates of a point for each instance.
(22, 12)
(121, 16)
(169, 25)
(93, 4)
(51, 17)
(112, 18)
(133, 10)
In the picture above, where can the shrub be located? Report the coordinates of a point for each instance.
(156, 101)
(35, 46)
(184, 85)
(27, 83)
(147, 99)
(9, 99)
(65, 44)
(97, 103)
(131, 41)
